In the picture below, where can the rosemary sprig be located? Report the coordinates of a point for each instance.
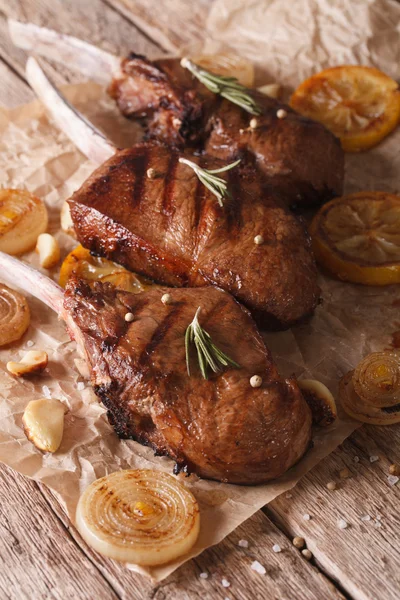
(207, 352)
(216, 185)
(227, 87)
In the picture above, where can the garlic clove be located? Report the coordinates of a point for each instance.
(48, 249)
(273, 90)
(67, 224)
(320, 401)
(34, 361)
(43, 422)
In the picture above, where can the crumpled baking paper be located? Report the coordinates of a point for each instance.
(351, 321)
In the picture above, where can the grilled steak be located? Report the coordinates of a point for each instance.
(299, 157)
(220, 428)
(172, 229)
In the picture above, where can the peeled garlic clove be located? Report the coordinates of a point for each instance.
(320, 401)
(48, 249)
(34, 361)
(139, 516)
(43, 422)
(361, 410)
(23, 217)
(67, 224)
(14, 315)
(273, 90)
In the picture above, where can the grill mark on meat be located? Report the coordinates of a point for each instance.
(139, 164)
(167, 208)
(161, 332)
(233, 204)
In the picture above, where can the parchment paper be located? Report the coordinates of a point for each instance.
(351, 322)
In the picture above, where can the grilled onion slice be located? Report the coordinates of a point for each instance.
(23, 217)
(320, 400)
(358, 408)
(139, 516)
(14, 315)
(377, 379)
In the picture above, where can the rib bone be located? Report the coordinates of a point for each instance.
(31, 281)
(96, 64)
(92, 142)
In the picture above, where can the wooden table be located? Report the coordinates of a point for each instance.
(42, 555)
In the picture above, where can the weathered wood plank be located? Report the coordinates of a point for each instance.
(365, 557)
(288, 573)
(173, 23)
(92, 21)
(38, 559)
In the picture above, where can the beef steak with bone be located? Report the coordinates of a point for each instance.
(298, 158)
(220, 428)
(171, 228)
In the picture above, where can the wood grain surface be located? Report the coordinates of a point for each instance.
(43, 556)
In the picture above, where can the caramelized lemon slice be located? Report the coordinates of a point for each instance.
(229, 65)
(92, 268)
(360, 105)
(357, 237)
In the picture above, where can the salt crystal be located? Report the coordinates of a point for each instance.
(306, 517)
(373, 458)
(366, 518)
(378, 524)
(46, 391)
(288, 496)
(356, 459)
(29, 343)
(80, 386)
(276, 548)
(342, 524)
(243, 543)
(203, 575)
(379, 518)
(225, 583)
(258, 568)
(393, 479)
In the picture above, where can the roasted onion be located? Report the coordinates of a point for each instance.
(357, 408)
(14, 315)
(23, 217)
(320, 400)
(377, 379)
(143, 516)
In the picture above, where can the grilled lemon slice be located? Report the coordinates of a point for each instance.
(360, 105)
(228, 65)
(23, 217)
(357, 237)
(92, 268)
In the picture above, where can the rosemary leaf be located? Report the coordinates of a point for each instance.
(208, 355)
(227, 87)
(208, 177)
